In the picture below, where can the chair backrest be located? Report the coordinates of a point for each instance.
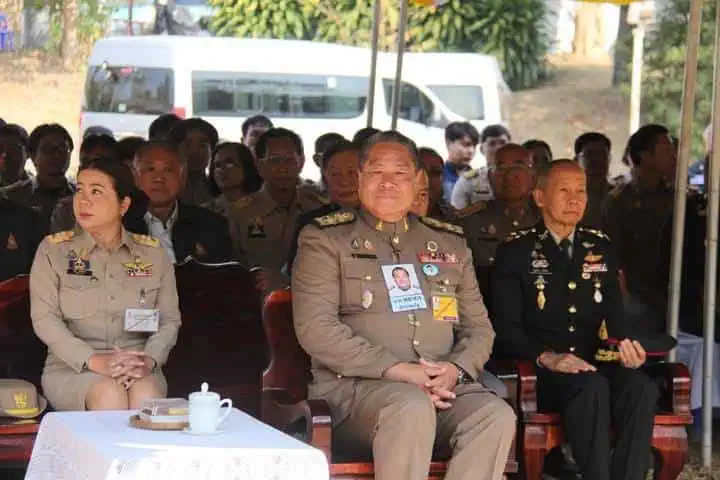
(22, 354)
(221, 340)
(289, 364)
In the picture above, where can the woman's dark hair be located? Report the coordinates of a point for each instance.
(120, 173)
(252, 182)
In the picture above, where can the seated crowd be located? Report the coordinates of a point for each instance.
(408, 272)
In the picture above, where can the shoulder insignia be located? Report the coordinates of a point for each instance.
(474, 208)
(333, 219)
(146, 240)
(597, 233)
(615, 192)
(61, 237)
(518, 234)
(471, 174)
(438, 225)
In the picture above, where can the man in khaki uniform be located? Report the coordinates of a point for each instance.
(263, 224)
(487, 224)
(79, 295)
(399, 371)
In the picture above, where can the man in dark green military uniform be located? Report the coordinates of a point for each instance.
(633, 217)
(556, 296)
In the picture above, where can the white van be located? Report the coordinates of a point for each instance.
(309, 87)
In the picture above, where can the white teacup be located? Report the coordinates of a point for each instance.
(204, 415)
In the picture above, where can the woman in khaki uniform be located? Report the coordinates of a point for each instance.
(104, 301)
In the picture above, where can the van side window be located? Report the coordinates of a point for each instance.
(127, 89)
(415, 106)
(233, 94)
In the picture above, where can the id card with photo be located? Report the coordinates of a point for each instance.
(403, 287)
(142, 320)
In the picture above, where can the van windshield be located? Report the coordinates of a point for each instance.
(464, 100)
(232, 94)
(126, 89)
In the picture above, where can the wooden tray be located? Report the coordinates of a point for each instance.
(137, 422)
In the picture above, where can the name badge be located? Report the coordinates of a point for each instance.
(142, 320)
(403, 287)
(445, 308)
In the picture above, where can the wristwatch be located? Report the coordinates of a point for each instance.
(463, 377)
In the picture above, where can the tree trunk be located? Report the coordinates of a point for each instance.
(69, 41)
(623, 48)
(588, 26)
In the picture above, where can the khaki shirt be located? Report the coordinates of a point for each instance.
(79, 293)
(264, 231)
(488, 224)
(471, 187)
(342, 307)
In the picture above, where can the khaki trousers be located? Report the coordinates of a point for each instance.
(401, 425)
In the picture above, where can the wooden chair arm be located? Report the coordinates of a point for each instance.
(524, 372)
(674, 382)
(281, 411)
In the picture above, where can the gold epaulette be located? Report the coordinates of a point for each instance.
(471, 174)
(597, 233)
(61, 237)
(146, 240)
(333, 219)
(518, 234)
(474, 208)
(438, 225)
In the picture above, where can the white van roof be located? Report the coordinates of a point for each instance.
(295, 56)
(223, 53)
(452, 68)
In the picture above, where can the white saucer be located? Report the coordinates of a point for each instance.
(190, 432)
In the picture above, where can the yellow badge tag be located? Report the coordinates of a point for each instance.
(445, 308)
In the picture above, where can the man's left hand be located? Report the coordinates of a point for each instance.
(632, 354)
(443, 381)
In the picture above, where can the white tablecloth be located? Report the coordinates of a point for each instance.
(102, 445)
(690, 352)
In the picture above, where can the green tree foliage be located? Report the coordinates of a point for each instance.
(92, 20)
(513, 31)
(664, 69)
(286, 19)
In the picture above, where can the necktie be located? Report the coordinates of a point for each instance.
(565, 247)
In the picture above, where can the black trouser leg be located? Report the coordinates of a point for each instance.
(583, 399)
(634, 397)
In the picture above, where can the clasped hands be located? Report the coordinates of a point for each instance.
(632, 355)
(437, 379)
(125, 366)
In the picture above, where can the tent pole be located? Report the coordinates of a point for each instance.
(377, 18)
(681, 180)
(398, 70)
(711, 242)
